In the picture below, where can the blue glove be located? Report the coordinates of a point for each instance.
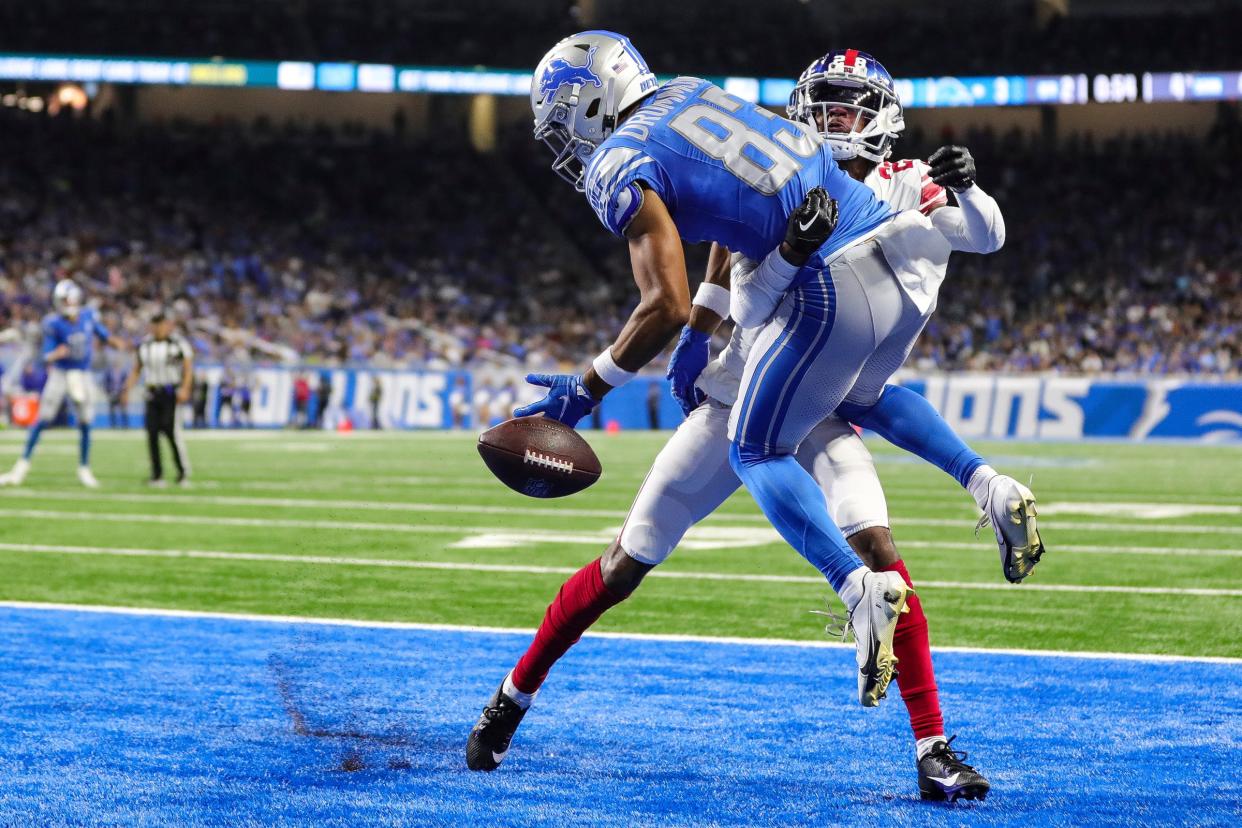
(687, 362)
(567, 400)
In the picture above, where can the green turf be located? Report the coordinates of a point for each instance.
(414, 497)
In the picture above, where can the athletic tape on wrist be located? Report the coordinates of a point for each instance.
(713, 297)
(609, 371)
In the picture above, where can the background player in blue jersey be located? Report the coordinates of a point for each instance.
(69, 335)
(660, 163)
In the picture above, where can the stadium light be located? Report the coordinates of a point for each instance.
(337, 76)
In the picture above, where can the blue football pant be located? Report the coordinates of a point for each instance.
(850, 321)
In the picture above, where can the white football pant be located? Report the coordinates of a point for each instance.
(691, 477)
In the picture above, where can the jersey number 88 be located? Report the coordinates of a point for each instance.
(765, 163)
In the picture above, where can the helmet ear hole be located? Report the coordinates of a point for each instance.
(593, 108)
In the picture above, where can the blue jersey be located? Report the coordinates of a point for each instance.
(729, 171)
(79, 334)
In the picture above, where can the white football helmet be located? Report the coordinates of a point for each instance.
(67, 298)
(577, 92)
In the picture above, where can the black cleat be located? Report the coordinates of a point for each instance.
(944, 775)
(489, 740)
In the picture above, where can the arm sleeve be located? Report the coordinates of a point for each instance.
(613, 185)
(51, 336)
(756, 290)
(975, 226)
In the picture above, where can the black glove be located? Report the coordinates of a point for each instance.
(811, 223)
(953, 167)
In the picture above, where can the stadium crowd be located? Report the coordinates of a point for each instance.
(281, 244)
(986, 38)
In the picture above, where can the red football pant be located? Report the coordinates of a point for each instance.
(579, 604)
(915, 675)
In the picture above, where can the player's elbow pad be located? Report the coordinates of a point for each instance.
(757, 291)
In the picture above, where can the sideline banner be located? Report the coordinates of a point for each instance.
(978, 406)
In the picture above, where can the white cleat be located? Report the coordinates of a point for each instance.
(1011, 512)
(16, 475)
(86, 478)
(874, 620)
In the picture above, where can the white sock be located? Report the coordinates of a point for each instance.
(923, 746)
(979, 482)
(852, 592)
(523, 699)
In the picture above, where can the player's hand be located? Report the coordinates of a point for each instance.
(684, 366)
(953, 167)
(183, 395)
(810, 225)
(567, 399)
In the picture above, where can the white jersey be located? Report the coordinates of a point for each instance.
(905, 185)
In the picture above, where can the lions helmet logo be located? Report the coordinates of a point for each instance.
(560, 71)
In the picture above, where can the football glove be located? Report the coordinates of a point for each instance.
(811, 223)
(567, 399)
(684, 366)
(953, 167)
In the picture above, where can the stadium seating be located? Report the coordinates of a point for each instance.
(980, 38)
(353, 247)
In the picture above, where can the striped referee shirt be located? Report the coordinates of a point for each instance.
(162, 360)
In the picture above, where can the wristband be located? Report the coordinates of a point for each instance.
(607, 369)
(713, 297)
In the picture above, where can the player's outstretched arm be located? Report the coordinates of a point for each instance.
(659, 266)
(976, 224)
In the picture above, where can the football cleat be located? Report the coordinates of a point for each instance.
(488, 744)
(1011, 512)
(873, 621)
(157, 483)
(86, 478)
(16, 475)
(945, 776)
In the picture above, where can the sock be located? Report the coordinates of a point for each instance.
(795, 506)
(32, 439)
(852, 592)
(907, 420)
(84, 446)
(915, 676)
(581, 601)
(923, 746)
(979, 483)
(510, 690)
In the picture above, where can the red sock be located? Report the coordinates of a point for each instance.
(581, 601)
(915, 675)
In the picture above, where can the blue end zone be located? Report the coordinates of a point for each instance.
(116, 719)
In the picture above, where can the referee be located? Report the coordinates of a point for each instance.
(166, 362)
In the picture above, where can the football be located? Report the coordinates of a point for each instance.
(539, 457)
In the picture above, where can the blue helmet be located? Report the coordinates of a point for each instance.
(849, 98)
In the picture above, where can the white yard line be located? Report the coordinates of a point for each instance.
(542, 511)
(460, 566)
(1087, 549)
(701, 538)
(696, 639)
